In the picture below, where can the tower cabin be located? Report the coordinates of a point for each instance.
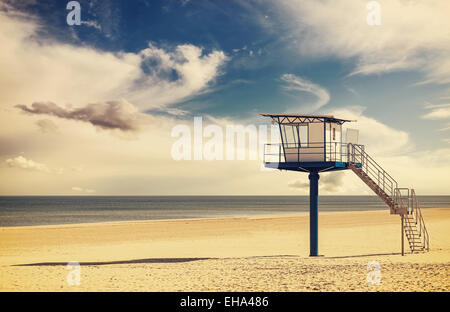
(314, 144)
(309, 143)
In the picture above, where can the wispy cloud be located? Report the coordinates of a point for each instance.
(413, 35)
(446, 128)
(110, 115)
(295, 83)
(26, 164)
(93, 24)
(437, 111)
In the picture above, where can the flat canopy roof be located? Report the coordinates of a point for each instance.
(302, 118)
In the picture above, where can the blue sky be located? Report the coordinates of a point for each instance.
(260, 51)
(395, 73)
(250, 81)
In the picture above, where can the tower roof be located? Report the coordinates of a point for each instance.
(303, 118)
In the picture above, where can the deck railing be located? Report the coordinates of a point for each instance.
(322, 151)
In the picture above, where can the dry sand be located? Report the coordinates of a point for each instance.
(228, 254)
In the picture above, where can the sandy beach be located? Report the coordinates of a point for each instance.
(268, 253)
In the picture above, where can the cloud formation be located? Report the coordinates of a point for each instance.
(110, 115)
(27, 164)
(380, 138)
(328, 182)
(173, 75)
(154, 77)
(412, 35)
(295, 83)
(437, 111)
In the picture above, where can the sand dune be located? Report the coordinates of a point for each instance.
(230, 254)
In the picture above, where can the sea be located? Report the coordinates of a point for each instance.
(52, 210)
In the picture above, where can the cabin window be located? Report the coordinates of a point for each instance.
(290, 136)
(303, 135)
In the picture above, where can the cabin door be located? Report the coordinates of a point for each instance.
(314, 149)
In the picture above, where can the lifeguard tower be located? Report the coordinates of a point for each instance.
(314, 144)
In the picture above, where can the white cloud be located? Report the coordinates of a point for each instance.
(446, 127)
(82, 190)
(174, 75)
(379, 138)
(27, 164)
(44, 70)
(439, 111)
(412, 35)
(295, 83)
(51, 71)
(331, 182)
(93, 24)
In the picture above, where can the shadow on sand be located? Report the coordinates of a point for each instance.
(136, 261)
(149, 260)
(181, 260)
(367, 255)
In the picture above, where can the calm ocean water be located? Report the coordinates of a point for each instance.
(46, 210)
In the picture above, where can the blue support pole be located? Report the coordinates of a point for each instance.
(313, 213)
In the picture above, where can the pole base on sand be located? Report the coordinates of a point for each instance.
(313, 214)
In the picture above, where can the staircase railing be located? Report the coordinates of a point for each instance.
(402, 200)
(417, 213)
(407, 201)
(369, 166)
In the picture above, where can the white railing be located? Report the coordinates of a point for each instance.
(311, 151)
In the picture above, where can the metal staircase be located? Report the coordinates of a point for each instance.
(401, 201)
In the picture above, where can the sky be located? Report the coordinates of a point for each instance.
(91, 109)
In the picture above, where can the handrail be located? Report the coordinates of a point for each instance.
(411, 204)
(332, 151)
(419, 218)
(402, 202)
(372, 169)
